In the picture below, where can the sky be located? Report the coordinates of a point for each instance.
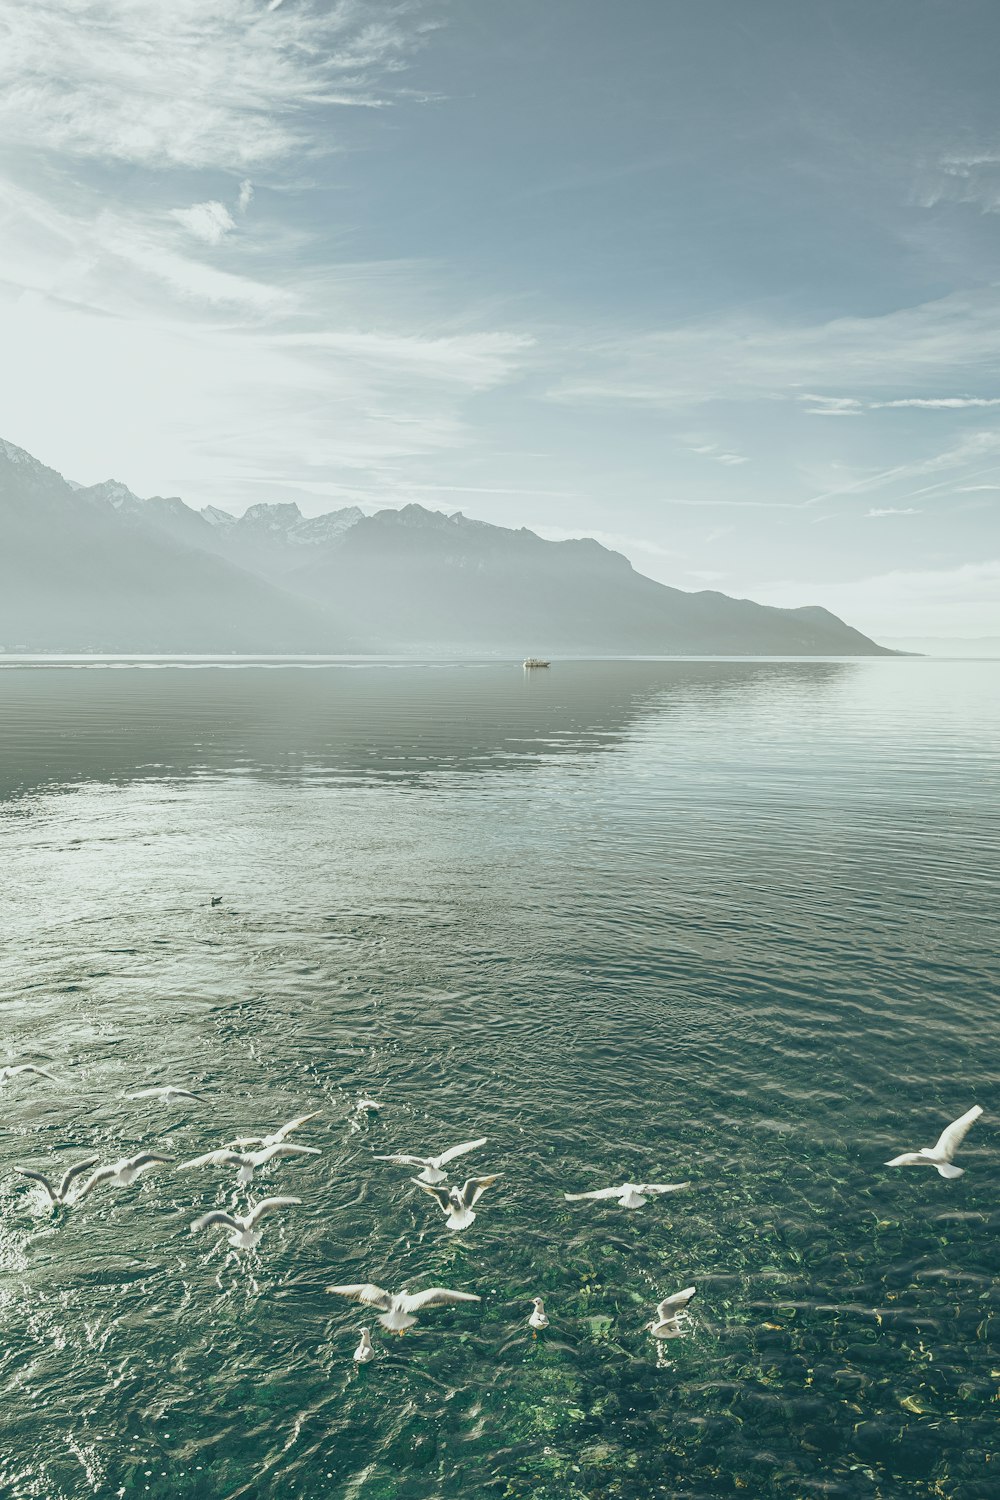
(715, 283)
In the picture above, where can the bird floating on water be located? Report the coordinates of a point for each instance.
(942, 1153)
(667, 1324)
(630, 1194)
(276, 1138)
(58, 1193)
(169, 1093)
(244, 1234)
(431, 1165)
(16, 1070)
(539, 1317)
(247, 1161)
(397, 1308)
(364, 1352)
(367, 1107)
(122, 1173)
(456, 1202)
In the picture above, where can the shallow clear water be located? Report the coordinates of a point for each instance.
(732, 922)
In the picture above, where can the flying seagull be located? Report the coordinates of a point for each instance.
(58, 1195)
(247, 1161)
(666, 1324)
(14, 1070)
(364, 1352)
(539, 1317)
(276, 1137)
(630, 1194)
(457, 1202)
(397, 1308)
(244, 1234)
(942, 1153)
(431, 1165)
(122, 1173)
(169, 1094)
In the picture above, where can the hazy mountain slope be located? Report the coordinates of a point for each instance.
(415, 579)
(79, 572)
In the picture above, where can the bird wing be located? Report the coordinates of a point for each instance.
(454, 1151)
(101, 1175)
(146, 1094)
(147, 1158)
(286, 1148)
(661, 1187)
(474, 1187)
(436, 1296)
(405, 1161)
(909, 1159)
(216, 1216)
(666, 1309)
(221, 1158)
(279, 1135)
(442, 1194)
(30, 1068)
(366, 1292)
(614, 1192)
(266, 1206)
(72, 1173)
(952, 1137)
(39, 1177)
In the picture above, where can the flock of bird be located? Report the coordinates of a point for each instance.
(396, 1310)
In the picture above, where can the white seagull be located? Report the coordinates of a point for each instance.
(244, 1234)
(14, 1070)
(630, 1194)
(276, 1137)
(431, 1165)
(364, 1352)
(122, 1173)
(367, 1107)
(456, 1202)
(58, 1193)
(247, 1161)
(168, 1093)
(397, 1308)
(539, 1317)
(667, 1324)
(942, 1153)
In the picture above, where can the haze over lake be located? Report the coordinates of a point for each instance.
(729, 921)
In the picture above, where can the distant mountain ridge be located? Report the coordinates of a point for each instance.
(97, 568)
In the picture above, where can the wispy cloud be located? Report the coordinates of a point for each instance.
(210, 222)
(832, 406)
(937, 403)
(894, 510)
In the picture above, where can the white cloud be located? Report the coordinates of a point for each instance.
(832, 406)
(937, 403)
(206, 221)
(246, 195)
(895, 510)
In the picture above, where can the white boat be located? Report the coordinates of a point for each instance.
(534, 661)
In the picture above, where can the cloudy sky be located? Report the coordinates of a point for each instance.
(716, 283)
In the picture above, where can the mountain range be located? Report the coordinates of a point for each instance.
(96, 568)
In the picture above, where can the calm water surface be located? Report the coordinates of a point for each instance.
(731, 922)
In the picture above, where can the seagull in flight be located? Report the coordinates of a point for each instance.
(58, 1193)
(431, 1165)
(630, 1194)
(276, 1138)
(456, 1202)
(122, 1173)
(243, 1231)
(667, 1323)
(942, 1153)
(15, 1070)
(247, 1161)
(168, 1093)
(396, 1309)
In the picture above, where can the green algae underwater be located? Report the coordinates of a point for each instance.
(731, 922)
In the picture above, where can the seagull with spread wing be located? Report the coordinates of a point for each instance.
(667, 1323)
(122, 1173)
(630, 1194)
(456, 1202)
(431, 1165)
(168, 1093)
(942, 1153)
(396, 1309)
(243, 1231)
(247, 1161)
(58, 1192)
(276, 1138)
(17, 1070)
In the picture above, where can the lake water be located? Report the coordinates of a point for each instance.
(731, 922)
